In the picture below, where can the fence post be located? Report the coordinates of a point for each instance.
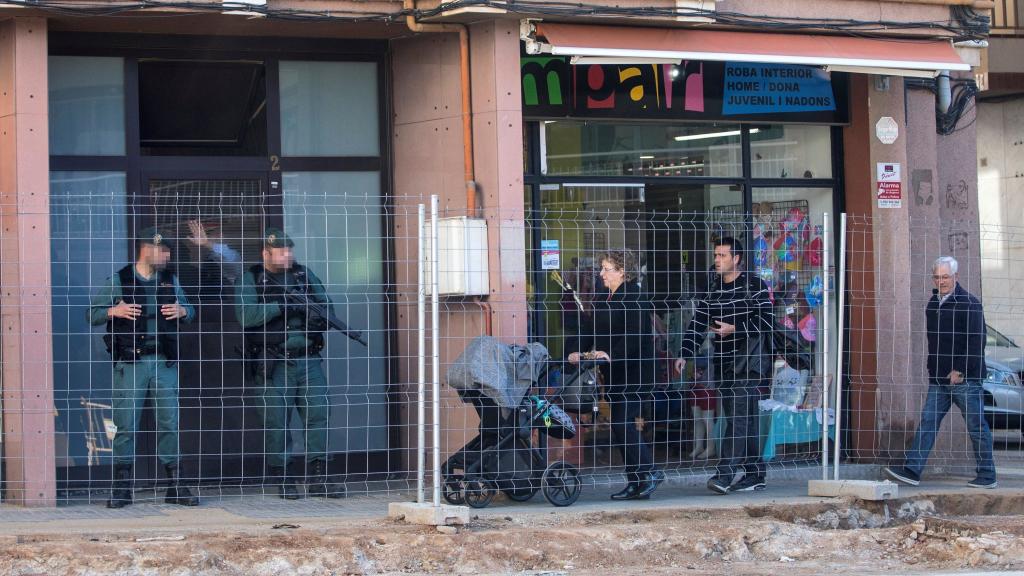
(824, 346)
(435, 319)
(841, 295)
(421, 333)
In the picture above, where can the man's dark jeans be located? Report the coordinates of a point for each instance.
(741, 446)
(970, 398)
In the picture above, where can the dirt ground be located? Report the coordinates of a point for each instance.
(916, 535)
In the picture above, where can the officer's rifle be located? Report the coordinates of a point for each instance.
(322, 310)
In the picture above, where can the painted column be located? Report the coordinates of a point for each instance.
(890, 253)
(878, 265)
(428, 159)
(27, 357)
(941, 181)
(894, 299)
(498, 149)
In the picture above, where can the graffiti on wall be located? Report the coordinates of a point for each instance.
(921, 182)
(958, 242)
(957, 195)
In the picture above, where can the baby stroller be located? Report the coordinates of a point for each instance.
(496, 379)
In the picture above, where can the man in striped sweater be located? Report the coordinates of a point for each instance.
(738, 312)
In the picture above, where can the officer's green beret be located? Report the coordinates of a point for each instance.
(276, 238)
(151, 235)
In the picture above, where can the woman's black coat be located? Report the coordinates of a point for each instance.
(621, 326)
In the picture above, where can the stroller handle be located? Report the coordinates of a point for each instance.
(593, 363)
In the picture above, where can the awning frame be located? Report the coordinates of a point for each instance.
(837, 53)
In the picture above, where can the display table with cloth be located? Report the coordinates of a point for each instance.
(789, 426)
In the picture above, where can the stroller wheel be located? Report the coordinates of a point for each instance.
(521, 494)
(561, 484)
(453, 490)
(479, 493)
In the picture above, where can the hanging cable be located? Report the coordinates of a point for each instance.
(963, 94)
(964, 90)
(964, 23)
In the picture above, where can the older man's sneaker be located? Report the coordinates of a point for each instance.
(982, 483)
(748, 483)
(901, 474)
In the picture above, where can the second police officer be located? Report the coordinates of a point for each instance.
(283, 340)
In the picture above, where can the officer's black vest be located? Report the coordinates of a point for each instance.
(275, 332)
(129, 339)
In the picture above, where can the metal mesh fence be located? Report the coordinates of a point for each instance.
(626, 344)
(743, 316)
(259, 383)
(932, 383)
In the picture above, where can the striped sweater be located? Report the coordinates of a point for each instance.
(743, 303)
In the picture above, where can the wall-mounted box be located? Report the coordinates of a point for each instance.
(462, 257)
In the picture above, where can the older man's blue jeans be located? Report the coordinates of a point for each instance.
(970, 398)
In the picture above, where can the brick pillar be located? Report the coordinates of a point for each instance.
(498, 149)
(428, 159)
(895, 303)
(889, 258)
(27, 355)
(879, 298)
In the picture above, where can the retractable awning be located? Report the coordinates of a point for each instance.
(614, 44)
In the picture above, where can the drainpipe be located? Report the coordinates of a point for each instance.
(467, 121)
(943, 95)
(467, 104)
(485, 307)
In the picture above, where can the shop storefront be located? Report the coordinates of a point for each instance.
(664, 159)
(661, 159)
(659, 140)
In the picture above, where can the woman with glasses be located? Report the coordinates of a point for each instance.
(619, 334)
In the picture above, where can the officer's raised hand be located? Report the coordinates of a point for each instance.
(173, 311)
(124, 310)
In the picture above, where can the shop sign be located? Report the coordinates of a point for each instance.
(775, 88)
(890, 186)
(692, 90)
(550, 257)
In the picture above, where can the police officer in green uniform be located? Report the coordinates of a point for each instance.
(283, 340)
(141, 306)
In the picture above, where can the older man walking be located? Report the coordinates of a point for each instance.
(956, 367)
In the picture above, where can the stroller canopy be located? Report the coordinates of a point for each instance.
(502, 372)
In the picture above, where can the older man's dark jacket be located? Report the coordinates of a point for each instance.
(956, 335)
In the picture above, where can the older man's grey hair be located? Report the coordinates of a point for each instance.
(946, 261)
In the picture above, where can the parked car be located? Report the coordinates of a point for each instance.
(1004, 397)
(1004, 351)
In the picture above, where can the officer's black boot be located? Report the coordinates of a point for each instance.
(176, 493)
(317, 483)
(285, 483)
(121, 490)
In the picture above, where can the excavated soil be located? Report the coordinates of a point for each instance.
(981, 532)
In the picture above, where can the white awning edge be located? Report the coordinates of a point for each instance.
(849, 64)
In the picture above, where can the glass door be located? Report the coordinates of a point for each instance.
(787, 251)
(214, 224)
(668, 226)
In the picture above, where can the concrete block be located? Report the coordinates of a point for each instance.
(863, 489)
(426, 514)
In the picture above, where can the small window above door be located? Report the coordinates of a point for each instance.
(202, 108)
